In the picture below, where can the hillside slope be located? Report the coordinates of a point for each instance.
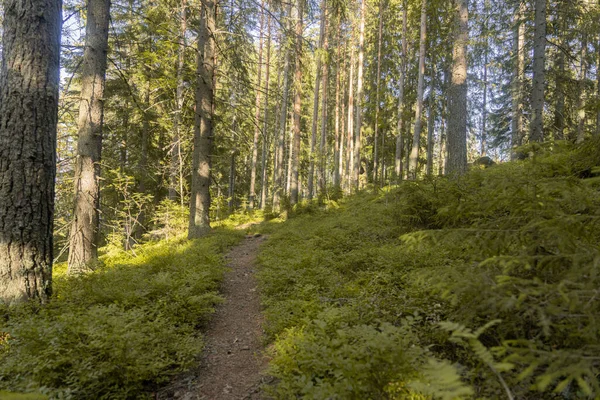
(481, 287)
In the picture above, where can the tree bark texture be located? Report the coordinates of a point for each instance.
(457, 93)
(29, 82)
(254, 162)
(297, 136)
(203, 130)
(399, 141)
(414, 153)
(539, 73)
(83, 240)
(359, 97)
(279, 168)
(315, 116)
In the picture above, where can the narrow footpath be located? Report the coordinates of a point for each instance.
(233, 359)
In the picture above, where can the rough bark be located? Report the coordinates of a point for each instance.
(176, 165)
(324, 117)
(295, 145)
(337, 162)
(582, 94)
(457, 93)
(254, 162)
(359, 97)
(83, 240)
(279, 168)
(265, 134)
(414, 153)
(377, 97)
(315, 116)
(539, 73)
(483, 149)
(431, 121)
(517, 79)
(399, 141)
(350, 126)
(199, 223)
(29, 81)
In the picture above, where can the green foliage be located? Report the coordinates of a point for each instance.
(120, 331)
(509, 254)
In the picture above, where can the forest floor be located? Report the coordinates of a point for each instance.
(233, 359)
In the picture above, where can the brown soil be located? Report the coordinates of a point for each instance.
(233, 358)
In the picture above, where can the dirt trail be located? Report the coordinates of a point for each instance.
(233, 358)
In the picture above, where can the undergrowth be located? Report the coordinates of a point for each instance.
(485, 286)
(121, 331)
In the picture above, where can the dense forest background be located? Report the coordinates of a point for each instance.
(347, 95)
(427, 171)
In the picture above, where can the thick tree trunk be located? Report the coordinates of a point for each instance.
(83, 241)
(315, 116)
(254, 162)
(296, 142)
(265, 147)
(337, 162)
(517, 80)
(176, 167)
(203, 130)
(483, 149)
(279, 168)
(350, 126)
(582, 95)
(399, 141)
(431, 121)
(539, 73)
(414, 153)
(377, 98)
(29, 81)
(324, 116)
(597, 133)
(457, 96)
(359, 97)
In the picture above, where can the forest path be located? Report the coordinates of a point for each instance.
(233, 358)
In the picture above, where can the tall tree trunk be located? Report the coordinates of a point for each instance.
(279, 167)
(559, 108)
(377, 97)
(582, 85)
(324, 116)
(254, 162)
(203, 130)
(315, 116)
(142, 166)
(399, 127)
(359, 96)
(414, 153)
(83, 240)
(444, 125)
(337, 162)
(265, 133)
(176, 167)
(350, 126)
(431, 120)
(29, 81)
(457, 96)
(517, 79)
(539, 73)
(296, 142)
(231, 188)
(483, 150)
(597, 133)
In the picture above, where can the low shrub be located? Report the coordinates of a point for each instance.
(120, 331)
(495, 273)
